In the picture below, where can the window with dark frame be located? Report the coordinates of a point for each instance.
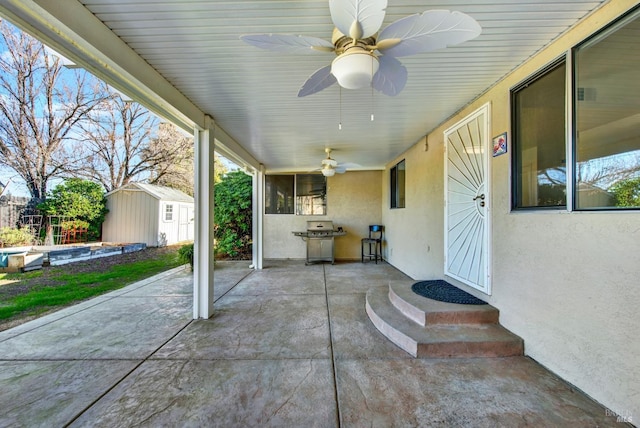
(539, 142)
(605, 145)
(278, 194)
(607, 118)
(311, 194)
(300, 194)
(397, 176)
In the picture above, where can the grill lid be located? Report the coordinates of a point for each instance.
(320, 225)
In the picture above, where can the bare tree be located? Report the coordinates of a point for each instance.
(176, 170)
(174, 153)
(39, 109)
(114, 143)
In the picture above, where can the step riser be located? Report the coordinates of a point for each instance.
(452, 339)
(407, 309)
(482, 315)
(470, 350)
(401, 340)
(463, 318)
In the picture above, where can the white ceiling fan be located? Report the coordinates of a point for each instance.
(364, 57)
(330, 166)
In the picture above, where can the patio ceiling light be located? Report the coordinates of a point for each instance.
(355, 68)
(328, 171)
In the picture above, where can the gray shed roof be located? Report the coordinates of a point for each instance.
(159, 192)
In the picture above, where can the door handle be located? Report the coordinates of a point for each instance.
(479, 197)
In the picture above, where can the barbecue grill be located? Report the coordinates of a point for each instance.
(319, 237)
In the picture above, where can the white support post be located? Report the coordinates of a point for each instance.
(258, 209)
(204, 141)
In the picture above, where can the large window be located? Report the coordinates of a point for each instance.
(397, 185)
(607, 118)
(310, 192)
(278, 194)
(605, 148)
(539, 140)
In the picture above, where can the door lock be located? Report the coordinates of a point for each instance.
(481, 197)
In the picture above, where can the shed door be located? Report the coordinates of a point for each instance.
(467, 201)
(183, 223)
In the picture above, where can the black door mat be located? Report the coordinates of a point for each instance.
(442, 291)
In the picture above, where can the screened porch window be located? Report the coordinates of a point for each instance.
(278, 194)
(310, 192)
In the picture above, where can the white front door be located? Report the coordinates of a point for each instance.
(467, 201)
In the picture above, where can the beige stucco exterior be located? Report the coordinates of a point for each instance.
(566, 282)
(354, 201)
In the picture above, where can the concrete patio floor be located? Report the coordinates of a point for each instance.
(288, 346)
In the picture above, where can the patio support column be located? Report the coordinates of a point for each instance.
(203, 260)
(258, 209)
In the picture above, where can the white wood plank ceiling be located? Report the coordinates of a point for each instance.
(252, 93)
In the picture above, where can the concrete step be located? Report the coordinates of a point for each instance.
(439, 340)
(427, 312)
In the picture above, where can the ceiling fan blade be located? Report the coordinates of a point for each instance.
(358, 19)
(288, 43)
(391, 76)
(428, 31)
(318, 81)
(340, 169)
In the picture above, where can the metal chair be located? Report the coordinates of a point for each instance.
(375, 239)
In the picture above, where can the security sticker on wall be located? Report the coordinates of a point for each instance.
(500, 145)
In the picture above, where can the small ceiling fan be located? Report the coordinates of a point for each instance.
(330, 166)
(364, 57)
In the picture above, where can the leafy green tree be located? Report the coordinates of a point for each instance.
(233, 216)
(79, 200)
(627, 192)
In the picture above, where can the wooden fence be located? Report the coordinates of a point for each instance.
(11, 207)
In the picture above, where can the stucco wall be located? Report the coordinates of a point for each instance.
(353, 202)
(567, 283)
(415, 233)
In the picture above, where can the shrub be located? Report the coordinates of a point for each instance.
(233, 216)
(185, 254)
(627, 192)
(10, 237)
(74, 224)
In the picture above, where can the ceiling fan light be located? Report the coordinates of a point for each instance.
(328, 172)
(355, 69)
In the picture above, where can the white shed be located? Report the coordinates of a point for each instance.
(154, 215)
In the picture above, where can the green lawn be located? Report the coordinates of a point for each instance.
(40, 291)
